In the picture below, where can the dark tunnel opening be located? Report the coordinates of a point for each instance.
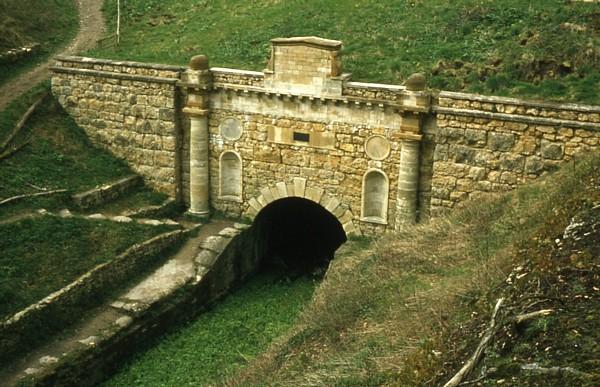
(296, 235)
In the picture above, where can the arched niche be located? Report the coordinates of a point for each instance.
(230, 176)
(375, 194)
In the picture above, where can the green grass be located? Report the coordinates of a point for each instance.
(27, 21)
(513, 47)
(408, 309)
(42, 255)
(222, 339)
(58, 156)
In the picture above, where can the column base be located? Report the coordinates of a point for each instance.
(198, 214)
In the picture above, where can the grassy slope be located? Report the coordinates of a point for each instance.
(222, 339)
(40, 256)
(547, 49)
(26, 21)
(59, 156)
(408, 310)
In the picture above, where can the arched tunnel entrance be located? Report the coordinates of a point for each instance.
(296, 235)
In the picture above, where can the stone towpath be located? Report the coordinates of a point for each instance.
(91, 28)
(176, 271)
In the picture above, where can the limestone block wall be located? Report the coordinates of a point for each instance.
(128, 108)
(338, 168)
(491, 144)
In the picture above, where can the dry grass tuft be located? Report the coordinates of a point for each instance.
(383, 313)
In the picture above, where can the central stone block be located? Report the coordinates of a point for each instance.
(305, 66)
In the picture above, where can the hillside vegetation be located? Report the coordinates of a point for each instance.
(409, 309)
(543, 49)
(23, 22)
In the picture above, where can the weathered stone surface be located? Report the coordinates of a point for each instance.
(121, 219)
(91, 340)
(46, 360)
(215, 243)
(229, 232)
(501, 141)
(551, 150)
(124, 321)
(206, 258)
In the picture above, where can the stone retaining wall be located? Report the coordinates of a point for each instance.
(223, 262)
(128, 108)
(491, 144)
(106, 193)
(18, 329)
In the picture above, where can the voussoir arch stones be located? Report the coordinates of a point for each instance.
(298, 188)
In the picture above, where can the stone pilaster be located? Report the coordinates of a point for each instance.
(408, 182)
(197, 80)
(416, 101)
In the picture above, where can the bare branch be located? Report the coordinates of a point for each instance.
(13, 198)
(472, 362)
(11, 152)
(521, 318)
(22, 121)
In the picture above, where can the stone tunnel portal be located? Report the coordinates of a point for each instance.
(296, 235)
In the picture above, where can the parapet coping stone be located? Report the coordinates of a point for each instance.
(383, 86)
(143, 65)
(316, 41)
(225, 70)
(517, 118)
(516, 101)
(116, 75)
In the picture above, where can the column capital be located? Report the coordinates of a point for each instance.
(195, 112)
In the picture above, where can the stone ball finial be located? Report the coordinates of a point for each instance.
(199, 62)
(416, 82)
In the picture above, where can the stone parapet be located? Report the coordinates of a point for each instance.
(223, 77)
(516, 109)
(122, 67)
(491, 144)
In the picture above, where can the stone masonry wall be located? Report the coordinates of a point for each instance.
(339, 171)
(491, 144)
(467, 144)
(128, 108)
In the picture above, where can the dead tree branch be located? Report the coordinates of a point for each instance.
(485, 340)
(12, 151)
(521, 318)
(13, 198)
(21, 123)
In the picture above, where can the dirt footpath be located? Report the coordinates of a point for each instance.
(91, 28)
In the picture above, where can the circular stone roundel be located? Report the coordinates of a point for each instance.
(231, 128)
(377, 147)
